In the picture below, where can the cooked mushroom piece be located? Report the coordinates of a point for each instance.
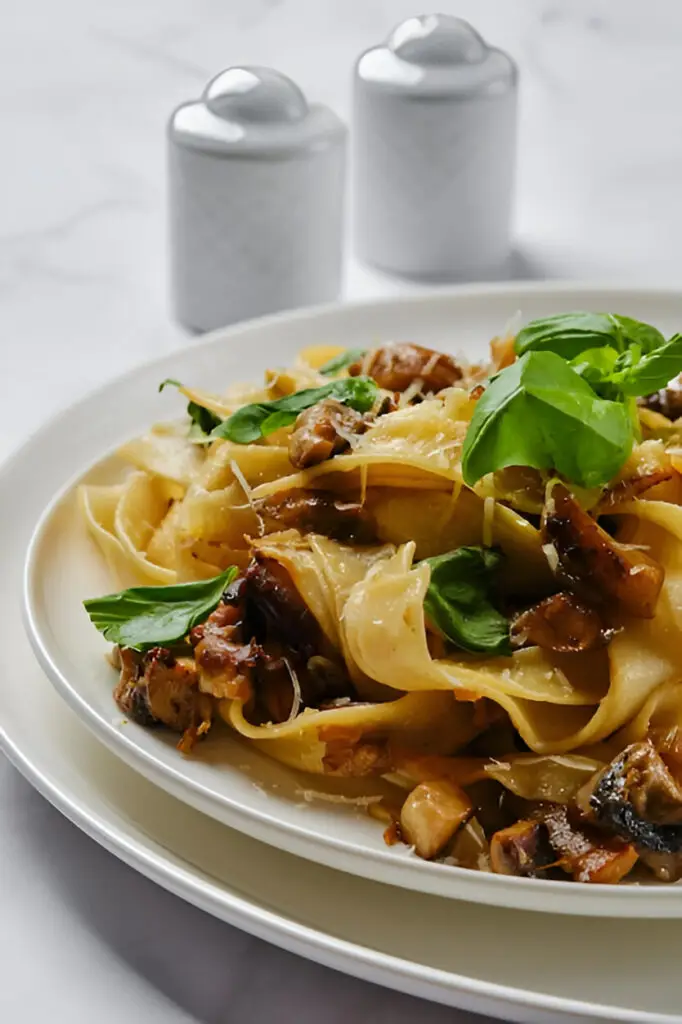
(638, 799)
(593, 563)
(223, 660)
(561, 623)
(521, 849)
(157, 688)
(319, 512)
(431, 815)
(583, 852)
(634, 487)
(397, 365)
(667, 401)
(323, 431)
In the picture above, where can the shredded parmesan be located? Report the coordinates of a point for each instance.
(248, 491)
(432, 363)
(456, 491)
(337, 798)
(350, 436)
(364, 470)
(296, 686)
(410, 392)
(551, 556)
(488, 520)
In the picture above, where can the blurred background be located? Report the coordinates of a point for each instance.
(86, 88)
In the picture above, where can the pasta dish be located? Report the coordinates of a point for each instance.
(465, 579)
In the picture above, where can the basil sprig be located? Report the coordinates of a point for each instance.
(569, 334)
(252, 422)
(539, 412)
(145, 617)
(342, 361)
(459, 602)
(203, 420)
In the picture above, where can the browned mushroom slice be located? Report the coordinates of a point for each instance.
(638, 799)
(323, 431)
(319, 512)
(562, 623)
(586, 854)
(157, 688)
(397, 365)
(521, 849)
(667, 401)
(634, 487)
(224, 661)
(432, 814)
(593, 563)
(667, 867)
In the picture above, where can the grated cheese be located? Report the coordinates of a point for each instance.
(410, 391)
(364, 471)
(296, 686)
(337, 798)
(551, 556)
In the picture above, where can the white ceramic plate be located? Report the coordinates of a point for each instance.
(517, 965)
(227, 779)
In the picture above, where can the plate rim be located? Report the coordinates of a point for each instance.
(600, 900)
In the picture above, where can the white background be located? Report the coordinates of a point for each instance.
(85, 89)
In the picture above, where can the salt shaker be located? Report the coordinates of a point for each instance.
(434, 136)
(256, 185)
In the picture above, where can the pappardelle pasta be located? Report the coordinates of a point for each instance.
(466, 579)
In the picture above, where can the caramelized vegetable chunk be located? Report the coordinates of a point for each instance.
(562, 623)
(432, 814)
(586, 854)
(667, 401)
(323, 431)
(320, 512)
(396, 365)
(157, 688)
(634, 487)
(223, 659)
(638, 798)
(592, 563)
(521, 849)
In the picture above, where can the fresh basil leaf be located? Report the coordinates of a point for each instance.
(342, 361)
(569, 334)
(144, 617)
(252, 422)
(458, 600)
(634, 332)
(203, 420)
(653, 371)
(539, 412)
(596, 365)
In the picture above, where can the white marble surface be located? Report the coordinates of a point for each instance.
(85, 87)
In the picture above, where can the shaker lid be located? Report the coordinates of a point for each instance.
(437, 55)
(254, 111)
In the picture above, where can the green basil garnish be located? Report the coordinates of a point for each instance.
(252, 422)
(145, 617)
(458, 601)
(569, 334)
(342, 361)
(539, 412)
(203, 420)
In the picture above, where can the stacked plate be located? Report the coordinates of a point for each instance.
(245, 838)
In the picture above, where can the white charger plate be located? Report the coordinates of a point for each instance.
(513, 964)
(228, 779)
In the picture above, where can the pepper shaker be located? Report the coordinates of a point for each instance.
(256, 186)
(434, 151)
